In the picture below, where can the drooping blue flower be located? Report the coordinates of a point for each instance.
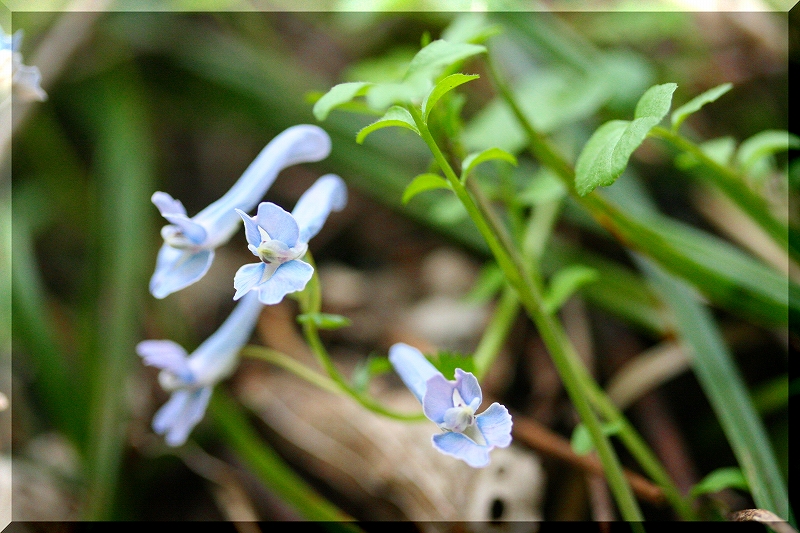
(189, 243)
(279, 239)
(26, 80)
(452, 406)
(191, 378)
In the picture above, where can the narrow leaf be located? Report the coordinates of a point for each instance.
(338, 95)
(475, 159)
(324, 320)
(422, 183)
(443, 87)
(395, 116)
(764, 144)
(581, 441)
(725, 388)
(565, 282)
(721, 478)
(693, 105)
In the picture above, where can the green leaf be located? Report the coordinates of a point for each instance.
(422, 183)
(722, 478)
(655, 102)
(581, 440)
(324, 320)
(490, 154)
(565, 282)
(439, 55)
(607, 152)
(725, 388)
(593, 168)
(693, 105)
(720, 150)
(395, 116)
(338, 95)
(446, 85)
(545, 186)
(765, 144)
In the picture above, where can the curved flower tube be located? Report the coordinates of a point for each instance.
(279, 239)
(189, 243)
(191, 378)
(25, 79)
(452, 405)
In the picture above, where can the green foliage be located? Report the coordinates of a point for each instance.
(694, 105)
(395, 116)
(581, 441)
(422, 183)
(325, 320)
(476, 158)
(720, 479)
(565, 283)
(447, 362)
(446, 85)
(763, 145)
(606, 154)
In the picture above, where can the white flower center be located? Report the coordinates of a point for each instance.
(174, 237)
(272, 251)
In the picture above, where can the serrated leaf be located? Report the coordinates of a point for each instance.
(324, 320)
(395, 116)
(581, 440)
(607, 152)
(422, 183)
(722, 478)
(764, 144)
(438, 55)
(693, 105)
(338, 95)
(446, 85)
(490, 154)
(565, 282)
(655, 102)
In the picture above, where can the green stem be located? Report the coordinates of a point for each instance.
(529, 290)
(311, 302)
(734, 187)
(292, 365)
(601, 209)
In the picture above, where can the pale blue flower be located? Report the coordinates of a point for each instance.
(191, 378)
(452, 405)
(189, 243)
(280, 239)
(26, 80)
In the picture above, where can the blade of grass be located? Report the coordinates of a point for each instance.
(726, 390)
(123, 161)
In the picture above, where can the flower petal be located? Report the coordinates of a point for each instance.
(167, 205)
(438, 398)
(291, 276)
(414, 369)
(247, 277)
(495, 425)
(250, 229)
(469, 388)
(176, 269)
(303, 143)
(278, 223)
(180, 417)
(167, 355)
(462, 447)
(328, 193)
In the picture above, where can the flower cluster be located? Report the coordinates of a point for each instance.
(452, 406)
(278, 238)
